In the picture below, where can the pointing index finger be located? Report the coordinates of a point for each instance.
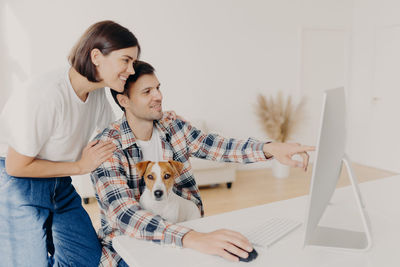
(306, 148)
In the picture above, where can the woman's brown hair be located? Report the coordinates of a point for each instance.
(106, 36)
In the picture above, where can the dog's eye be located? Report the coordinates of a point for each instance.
(150, 177)
(166, 176)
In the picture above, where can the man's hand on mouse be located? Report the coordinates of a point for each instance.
(221, 242)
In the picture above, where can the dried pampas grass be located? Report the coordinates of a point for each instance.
(279, 116)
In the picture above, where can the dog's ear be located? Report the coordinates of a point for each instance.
(178, 166)
(141, 167)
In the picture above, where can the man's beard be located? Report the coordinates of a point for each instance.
(152, 116)
(156, 115)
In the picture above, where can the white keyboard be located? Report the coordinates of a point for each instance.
(271, 231)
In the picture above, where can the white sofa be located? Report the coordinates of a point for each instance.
(83, 185)
(209, 172)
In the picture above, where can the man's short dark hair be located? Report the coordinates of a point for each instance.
(106, 36)
(141, 68)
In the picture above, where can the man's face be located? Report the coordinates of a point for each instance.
(145, 98)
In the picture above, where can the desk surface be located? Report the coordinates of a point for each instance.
(382, 198)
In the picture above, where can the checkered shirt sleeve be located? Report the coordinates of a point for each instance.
(213, 146)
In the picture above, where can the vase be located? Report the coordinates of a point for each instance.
(280, 170)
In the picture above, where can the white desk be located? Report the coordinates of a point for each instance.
(382, 199)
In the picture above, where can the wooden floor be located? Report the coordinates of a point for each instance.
(256, 187)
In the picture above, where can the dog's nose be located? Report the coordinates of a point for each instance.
(158, 193)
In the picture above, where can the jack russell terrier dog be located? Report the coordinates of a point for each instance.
(158, 196)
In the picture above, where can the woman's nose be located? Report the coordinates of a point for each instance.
(130, 69)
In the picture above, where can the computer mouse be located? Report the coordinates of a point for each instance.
(252, 255)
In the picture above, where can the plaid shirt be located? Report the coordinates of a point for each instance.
(118, 187)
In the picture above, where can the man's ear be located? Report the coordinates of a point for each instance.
(178, 166)
(142, 167)
(123, 100)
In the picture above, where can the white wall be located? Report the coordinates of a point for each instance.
(212, 57)
(5, 85)
(375, 84)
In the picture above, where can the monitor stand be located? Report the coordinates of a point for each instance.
(346, 239)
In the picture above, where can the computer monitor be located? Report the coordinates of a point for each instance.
(330, 156)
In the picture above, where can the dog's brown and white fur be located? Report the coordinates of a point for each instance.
(158, 196)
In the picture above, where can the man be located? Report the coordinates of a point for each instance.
(142, 134)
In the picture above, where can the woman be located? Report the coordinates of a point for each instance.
(46, 128)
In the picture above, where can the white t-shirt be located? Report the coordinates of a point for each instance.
(152, 150)
(47, 120)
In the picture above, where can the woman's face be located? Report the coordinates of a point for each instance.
(114, 68)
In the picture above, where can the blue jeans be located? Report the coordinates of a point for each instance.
(43, 223)
(122, 263)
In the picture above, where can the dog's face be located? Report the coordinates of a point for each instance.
(159, 176)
